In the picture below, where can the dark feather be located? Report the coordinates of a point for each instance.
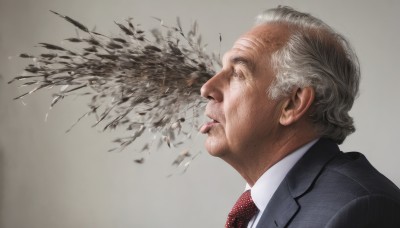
(72, 21)
(124, 29)
(52, 47)
(23, 55)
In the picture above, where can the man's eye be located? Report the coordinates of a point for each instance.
(236, 74)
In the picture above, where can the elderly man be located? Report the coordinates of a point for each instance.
(278, 109)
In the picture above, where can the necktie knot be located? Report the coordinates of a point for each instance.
(242, 212)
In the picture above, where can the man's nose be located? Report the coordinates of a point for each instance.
(212, 88)
(204, 90)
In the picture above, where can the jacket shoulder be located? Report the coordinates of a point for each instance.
(354, 171)
(348, 189)
(367, 211)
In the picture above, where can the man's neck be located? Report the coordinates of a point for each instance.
(255, 166)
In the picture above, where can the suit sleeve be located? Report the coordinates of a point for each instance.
(367, 212)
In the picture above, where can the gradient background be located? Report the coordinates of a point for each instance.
(52, 179)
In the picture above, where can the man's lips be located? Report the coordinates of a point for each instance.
(207, 126)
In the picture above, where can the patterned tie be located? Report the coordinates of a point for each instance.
(242, 212)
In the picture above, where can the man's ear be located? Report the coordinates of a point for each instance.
(296, 105)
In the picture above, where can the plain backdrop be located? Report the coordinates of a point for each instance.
(52, 179)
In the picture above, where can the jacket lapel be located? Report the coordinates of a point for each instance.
(279, 210)
(283, 205)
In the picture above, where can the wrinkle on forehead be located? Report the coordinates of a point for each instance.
(264, 38)
(244, 43)
(260, 41)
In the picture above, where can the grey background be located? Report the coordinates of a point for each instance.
(52, 179)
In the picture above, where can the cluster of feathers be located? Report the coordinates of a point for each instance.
(140, 81)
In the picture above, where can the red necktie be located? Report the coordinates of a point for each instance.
(242, 212)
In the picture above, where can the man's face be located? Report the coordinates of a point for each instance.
(244, 120)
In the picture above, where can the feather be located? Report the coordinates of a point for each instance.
(132, 81)
(72, 21)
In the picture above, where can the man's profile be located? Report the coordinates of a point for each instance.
(278, 109)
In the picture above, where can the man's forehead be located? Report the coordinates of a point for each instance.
(266, 37)
(245, 48)
(261, 40)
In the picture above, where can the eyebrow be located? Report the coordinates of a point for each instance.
(243, 61)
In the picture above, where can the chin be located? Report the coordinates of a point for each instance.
(215, 148)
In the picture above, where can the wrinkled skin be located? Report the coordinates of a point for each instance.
(245, 121)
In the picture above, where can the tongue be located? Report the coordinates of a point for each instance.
(205, 128)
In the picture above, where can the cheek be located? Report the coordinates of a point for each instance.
(240, 121)
(247, 113)
(253, 118)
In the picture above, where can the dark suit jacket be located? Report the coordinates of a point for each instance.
(329, 188)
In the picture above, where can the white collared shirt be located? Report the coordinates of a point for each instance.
(267, 184)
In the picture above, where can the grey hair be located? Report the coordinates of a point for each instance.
(316, 56)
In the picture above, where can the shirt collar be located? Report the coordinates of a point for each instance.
(267, 184)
